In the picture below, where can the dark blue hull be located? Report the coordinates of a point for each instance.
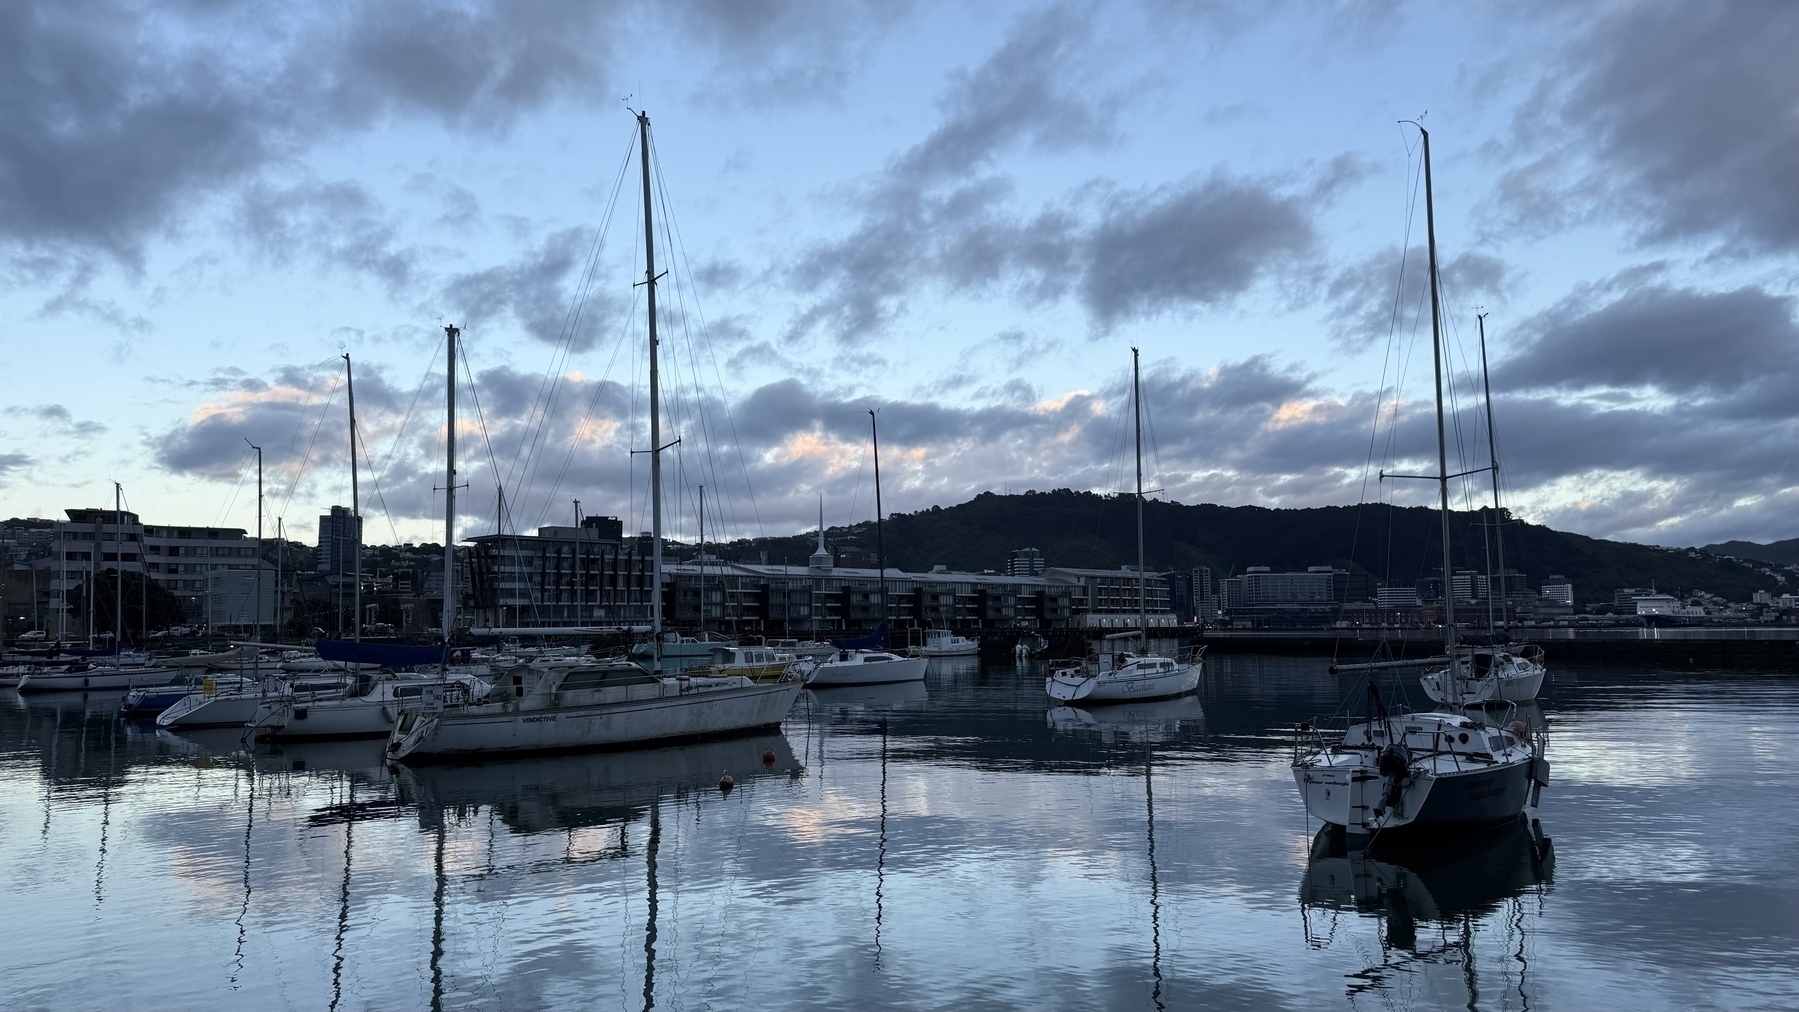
(1478, 797)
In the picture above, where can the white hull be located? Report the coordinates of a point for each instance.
(500, 728)
(829, 674)
(1508, 678)
(221, 710)
(95, 679)
(1070, 685)
(971, 650)
(334, 718)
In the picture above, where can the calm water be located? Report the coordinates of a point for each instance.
(951, 848)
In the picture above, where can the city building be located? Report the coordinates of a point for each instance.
(339, 534)
(1558, 589)
(1025, 562)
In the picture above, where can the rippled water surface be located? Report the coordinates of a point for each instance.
(956, 846)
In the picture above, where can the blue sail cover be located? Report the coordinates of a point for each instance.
(873, 641)
(392, 655)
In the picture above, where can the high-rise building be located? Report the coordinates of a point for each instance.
(339, 534)
(1558, 588)
(1025, 562)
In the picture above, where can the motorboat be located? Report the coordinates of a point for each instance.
(943, 643)
(367, 709)
(674, 652)
(147, 701)
(758, 664)
(1509, 674)
(865, 667)
(802, 649)
(597, 705)
(1117, 677)
(94, 677)
(238, 707)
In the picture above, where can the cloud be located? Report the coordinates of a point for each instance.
(548, 291)
(57, 420)
(115, 117)
(11, 462)
(1674, 341)
(338, 225)
(782, 52)
(1680, 114)
(1389, 293)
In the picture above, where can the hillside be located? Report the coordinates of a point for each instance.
(1780, 553)
(1396, 545)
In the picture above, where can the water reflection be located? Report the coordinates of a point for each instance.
(950, 844)
(1451, 885)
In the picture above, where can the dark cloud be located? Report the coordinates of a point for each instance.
(549, 291)
(940, 214)
(1388, 293)
(11, 462)
(784, 52)
(338, 225)
(1681, 113)
(1676, 341)
(114, 115)
(1197, 245)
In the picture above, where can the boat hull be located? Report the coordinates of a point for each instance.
(905, 669)
(96, 679)
(326, 719)
(1353, 797)
(1098, 689)
(224, 710)
(500, 729)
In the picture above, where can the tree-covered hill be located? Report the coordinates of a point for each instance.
(1779, 553)
(1395, 544)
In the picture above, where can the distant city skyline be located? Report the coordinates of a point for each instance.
(961, 217)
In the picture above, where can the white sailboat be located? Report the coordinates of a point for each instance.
(1117, 675)
(558, 706)
(862, 661)
(1442, 769)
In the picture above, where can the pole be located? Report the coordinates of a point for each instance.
(1436, 333)
(1493, 460)
(874, 432)
(280, 545)
(702, 561)
(649, 281)
(118, 554)
(355, 510)
(449, 615)
(62, 587)
(1137, 423)
(258, 450)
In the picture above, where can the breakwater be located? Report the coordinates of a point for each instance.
(1770, 648)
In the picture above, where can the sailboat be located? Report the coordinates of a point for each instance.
(1442, 769)
(576, 703)
(1512, 673)
(862, 660)
(1114, 676)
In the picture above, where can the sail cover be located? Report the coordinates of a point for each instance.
(873, 641)
(392, 655)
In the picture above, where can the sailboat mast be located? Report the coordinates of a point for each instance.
(1493, 460)
(1436, 348)
(451, 332)
(649, 281)
(874, 432)
(355, 511)
(702, 562)
(118, 532)
(258, 450)
(1137, 423)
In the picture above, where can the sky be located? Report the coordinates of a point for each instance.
(960, 216)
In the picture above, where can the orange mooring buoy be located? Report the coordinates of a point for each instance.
(725, 783)
(768, 757)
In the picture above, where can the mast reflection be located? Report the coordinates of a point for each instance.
(1453, 885)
